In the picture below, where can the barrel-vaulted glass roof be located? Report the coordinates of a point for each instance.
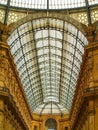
(48, 51)
(48, 4)
(48, 54)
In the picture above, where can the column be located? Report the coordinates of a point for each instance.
(91, 116)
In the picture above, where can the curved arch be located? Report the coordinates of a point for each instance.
(51, 124)
(52, 119)
(49, 15)
(44, 50)
(54, 104)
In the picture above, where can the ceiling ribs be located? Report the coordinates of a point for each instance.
(64, 54)
(72, 68)
(26, 65)
(88, 12)
(37, 59)
(61, 71)
(7, 12)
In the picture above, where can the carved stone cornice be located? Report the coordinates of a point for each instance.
(11, 83)
(91, 32)
(11, 106)
(91, 92)
(91, 47)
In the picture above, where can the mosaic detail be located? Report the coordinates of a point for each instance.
(80, 17)
(94, 15)
(2, 15)
(15, 16)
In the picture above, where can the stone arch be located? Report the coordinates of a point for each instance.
(55, 15)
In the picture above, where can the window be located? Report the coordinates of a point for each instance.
(66, 128)
(51, 124)
(35, 127)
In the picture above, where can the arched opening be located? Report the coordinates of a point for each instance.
(66, 128)
(51, 124)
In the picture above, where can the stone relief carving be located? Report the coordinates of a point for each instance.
(91, 32)
(4, 31)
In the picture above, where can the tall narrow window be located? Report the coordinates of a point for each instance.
(35, 127)
(66, 128)
(51, 124)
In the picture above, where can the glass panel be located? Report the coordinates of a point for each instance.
(3, 2)
(38, 4)
(53, 4)
(42, 4)
(92, 2)
(48, 62)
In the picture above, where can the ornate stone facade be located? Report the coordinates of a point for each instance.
(84, 114)
(14, 109)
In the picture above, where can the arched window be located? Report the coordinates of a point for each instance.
(35, 127)
(66, 128)
(51, 124)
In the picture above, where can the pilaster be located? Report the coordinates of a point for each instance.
(2, 123)
(91, 115)
(86, 91)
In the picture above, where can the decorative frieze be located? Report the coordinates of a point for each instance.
(10, 85)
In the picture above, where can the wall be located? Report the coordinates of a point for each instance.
(84, 113)
(39, 121)
(14, 110)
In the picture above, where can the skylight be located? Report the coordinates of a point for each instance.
(49, 4)
(48, 57)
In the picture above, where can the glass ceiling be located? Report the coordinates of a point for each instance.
(49, 4)
(48, 54)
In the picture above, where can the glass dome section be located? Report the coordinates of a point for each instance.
(48, 54)
(52, 4)
(49, 4)
(51, 108)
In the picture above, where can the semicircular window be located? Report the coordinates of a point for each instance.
(51, 124)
